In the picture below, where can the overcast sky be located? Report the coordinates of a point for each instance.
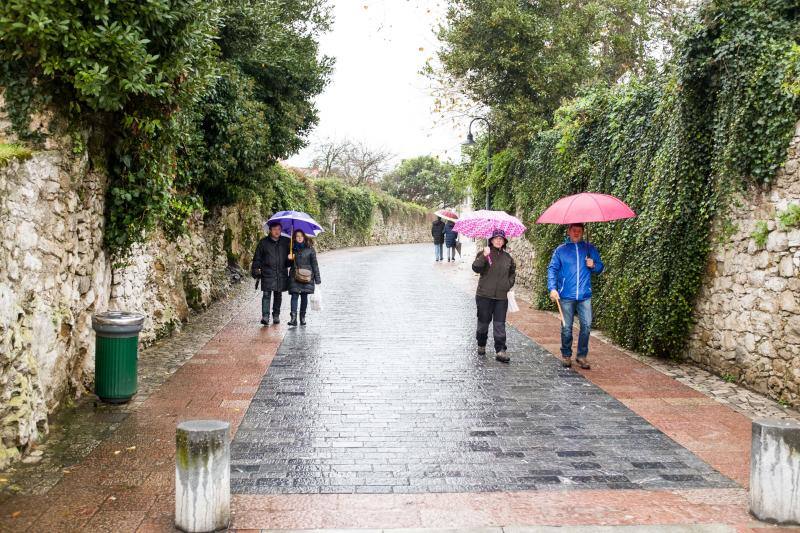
(376, 93)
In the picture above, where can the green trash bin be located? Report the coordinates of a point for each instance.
(116, 355)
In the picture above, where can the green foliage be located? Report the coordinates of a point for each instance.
(423, 180)
(674, 147)
(9, 152)
(352, 206)
(760, 234)
(790, 217)
(522, 59)
(190, 103)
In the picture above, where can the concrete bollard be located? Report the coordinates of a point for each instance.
(202, 476)
(775, 471)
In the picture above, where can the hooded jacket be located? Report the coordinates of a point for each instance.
(497, 277)
(567, 272)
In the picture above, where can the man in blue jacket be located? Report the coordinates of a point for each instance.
(569, 280)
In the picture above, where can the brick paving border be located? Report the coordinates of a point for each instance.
(127, 482)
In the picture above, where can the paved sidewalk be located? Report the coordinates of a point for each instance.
(389, 370)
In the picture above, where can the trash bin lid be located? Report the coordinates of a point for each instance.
(122, 321)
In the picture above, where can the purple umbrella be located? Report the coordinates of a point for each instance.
(293, 220)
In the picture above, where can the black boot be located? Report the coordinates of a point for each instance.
(275, 319)
(302, 319)
(293, 319)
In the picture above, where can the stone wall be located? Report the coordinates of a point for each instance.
(55, 274)
(395, 228)
(748, 317)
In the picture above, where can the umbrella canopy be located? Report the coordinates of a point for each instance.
(481, 224)
(447, 214)
(294, 220)
(586, 207)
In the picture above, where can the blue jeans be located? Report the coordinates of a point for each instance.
(303, 303)
(584, 311)
(439, 251)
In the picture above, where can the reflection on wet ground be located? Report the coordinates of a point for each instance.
(383, 392)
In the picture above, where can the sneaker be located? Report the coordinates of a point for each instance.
(265, 321)
(583, 363)
(566, 362)
(502, 357)
(481, 350)
(275, 319)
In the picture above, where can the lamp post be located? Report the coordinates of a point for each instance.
(471, 142)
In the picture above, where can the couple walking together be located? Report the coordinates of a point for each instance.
(443, 234)
(282, 264)
(569, 281)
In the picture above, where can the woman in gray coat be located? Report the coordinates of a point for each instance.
(303, 275)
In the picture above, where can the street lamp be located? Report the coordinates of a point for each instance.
(471, 142)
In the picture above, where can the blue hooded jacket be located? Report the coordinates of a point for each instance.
(568, 273)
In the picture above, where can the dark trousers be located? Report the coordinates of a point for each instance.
(494, 312)
(277, 297)
(303, 303)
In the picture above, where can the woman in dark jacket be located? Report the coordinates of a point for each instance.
(450, 238)
(498, 274)
(303, 275)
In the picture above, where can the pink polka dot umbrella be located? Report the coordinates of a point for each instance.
(480, 224)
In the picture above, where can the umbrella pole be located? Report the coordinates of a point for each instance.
(560, 312)
(291, 245)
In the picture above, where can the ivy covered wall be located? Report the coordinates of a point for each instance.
(677, 147)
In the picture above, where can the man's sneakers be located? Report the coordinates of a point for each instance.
(265, 321)
(275, 319)
(481, 350)
(566, 362)
(502, 357)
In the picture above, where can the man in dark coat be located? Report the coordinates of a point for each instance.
(437, 230)
(270, 264)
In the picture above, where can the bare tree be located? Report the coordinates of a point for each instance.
(330, 156)
(364, 165)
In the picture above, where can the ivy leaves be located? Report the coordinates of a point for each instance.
(718, 118)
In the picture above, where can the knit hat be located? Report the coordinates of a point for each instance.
(499, 233)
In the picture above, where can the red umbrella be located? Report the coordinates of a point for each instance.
(447, 214)
(586, 207)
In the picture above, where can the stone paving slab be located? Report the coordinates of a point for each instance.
(384, 392)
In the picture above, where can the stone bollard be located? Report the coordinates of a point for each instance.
(202, 476)
(775, 471)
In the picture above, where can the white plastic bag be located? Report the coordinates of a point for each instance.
(316, 299)
(512, 302)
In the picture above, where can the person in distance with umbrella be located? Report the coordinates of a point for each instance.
(569, 280)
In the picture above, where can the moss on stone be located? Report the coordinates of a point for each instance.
(9, 152)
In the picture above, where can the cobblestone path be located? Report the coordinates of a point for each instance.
(383, 392)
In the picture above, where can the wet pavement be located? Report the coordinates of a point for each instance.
(383, 392)
(383, 387)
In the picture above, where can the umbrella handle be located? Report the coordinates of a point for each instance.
(560, 312)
